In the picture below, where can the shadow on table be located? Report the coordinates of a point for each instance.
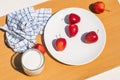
(16, 62)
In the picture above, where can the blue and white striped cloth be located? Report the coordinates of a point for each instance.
(27, 23)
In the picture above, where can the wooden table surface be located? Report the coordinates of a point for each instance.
(10, 68)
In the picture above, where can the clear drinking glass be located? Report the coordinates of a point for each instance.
(32, 62)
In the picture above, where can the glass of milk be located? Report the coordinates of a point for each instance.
(32, 62)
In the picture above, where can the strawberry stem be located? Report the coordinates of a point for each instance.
(107, 10)
(97, 31)
(56, 36)
(60, 35)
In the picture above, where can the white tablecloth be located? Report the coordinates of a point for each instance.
(113, 74)
(7, 6)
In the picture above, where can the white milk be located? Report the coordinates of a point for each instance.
(32, 62)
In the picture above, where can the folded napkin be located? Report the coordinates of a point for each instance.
(24, 25)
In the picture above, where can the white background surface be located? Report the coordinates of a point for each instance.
(7, 6)
(113, 74)
(119, 1)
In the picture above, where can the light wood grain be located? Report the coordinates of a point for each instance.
(54, 70)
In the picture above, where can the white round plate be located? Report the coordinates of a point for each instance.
(76, 52)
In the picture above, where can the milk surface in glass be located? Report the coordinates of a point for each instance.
(32, 62)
